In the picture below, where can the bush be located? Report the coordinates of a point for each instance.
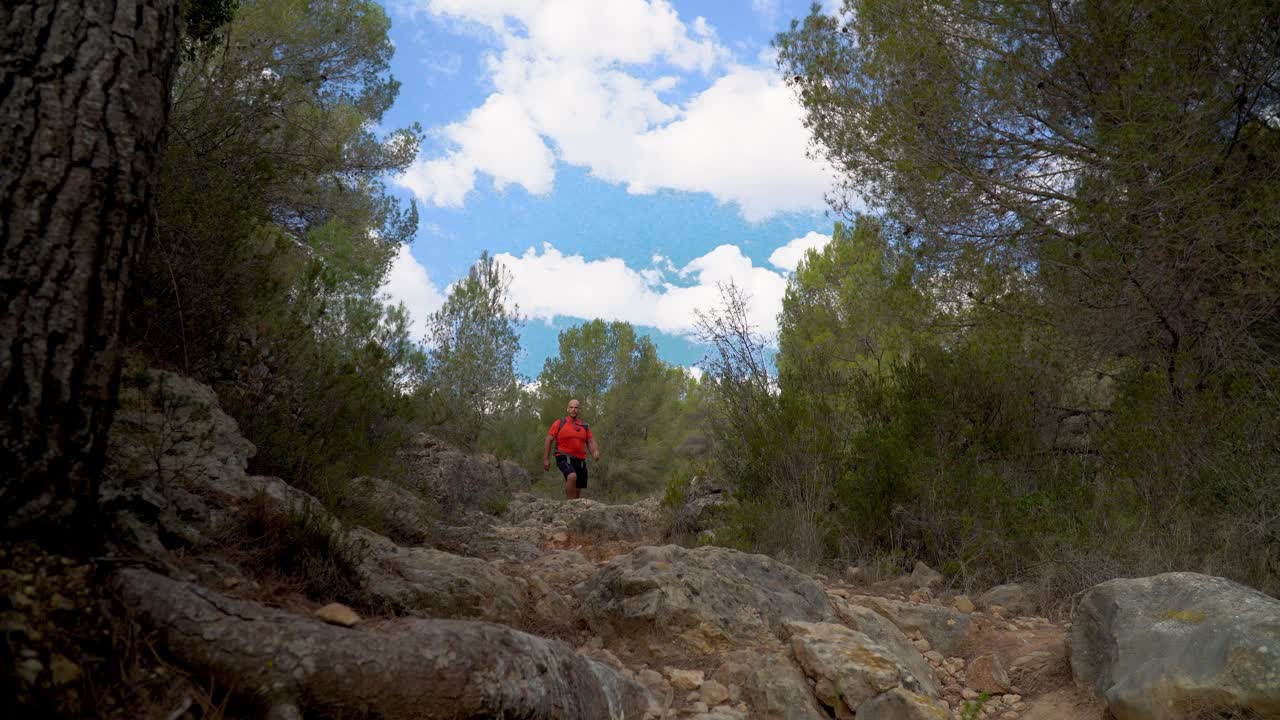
(305, 547)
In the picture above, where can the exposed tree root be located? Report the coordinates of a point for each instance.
(410, 668)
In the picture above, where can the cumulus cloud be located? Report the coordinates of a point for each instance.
(547, 283)
(568, 87)
(409, 283)
(788, 256)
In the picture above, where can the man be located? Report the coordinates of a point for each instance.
(572, 438)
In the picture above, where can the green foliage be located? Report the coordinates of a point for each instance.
(474, 345)
(973, 708)
(1053, 348)
(275, 232)
(303, 547)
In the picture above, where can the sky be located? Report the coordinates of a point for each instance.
(619, 157)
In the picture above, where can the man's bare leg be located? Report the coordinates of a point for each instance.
(571, 486)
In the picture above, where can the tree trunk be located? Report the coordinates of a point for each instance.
(409, 668)
(83, 106)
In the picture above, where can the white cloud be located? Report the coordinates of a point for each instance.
(548, 284)
(693, 371)
(767, 10)
(564, 80)
(408, 283)
(788, 256)
(498, 139)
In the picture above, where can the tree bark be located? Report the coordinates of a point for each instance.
(409, 668)
(83, 106)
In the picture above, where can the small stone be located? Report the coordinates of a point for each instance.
(230, 581)
(996, 610)
(1010, 699)
(63, 670)
(838, 592)
(921, 645)
(969, 694)
(338, 614)
(684, 679)
(59, 602)
(933, 656)
(963, 604)
(714, 693)
(698, 707)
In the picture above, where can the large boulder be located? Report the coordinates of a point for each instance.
(613, 523)
(850, 668)
(458, 480)
(700, 600)
(943, 627)
(1178, 645)
(432, 583)
(886, 635)
(171, 428)
(590, 519)
(1012, 597)
(772, 684)
(391, 509)
(902, 704)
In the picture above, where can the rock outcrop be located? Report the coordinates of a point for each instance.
(849, 668)
(701, 600)
(1178, 645)
(943, 627)
(460, 481)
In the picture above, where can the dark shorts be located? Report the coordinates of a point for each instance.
(569, 464)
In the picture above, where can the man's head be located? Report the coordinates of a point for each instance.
(573, 408)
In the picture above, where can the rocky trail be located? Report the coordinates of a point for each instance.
(539, 608)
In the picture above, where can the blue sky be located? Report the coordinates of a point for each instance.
(620, 157)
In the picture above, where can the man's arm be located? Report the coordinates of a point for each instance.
(546, 454)
(595, 450)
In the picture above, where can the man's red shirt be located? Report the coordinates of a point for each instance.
(572, 438)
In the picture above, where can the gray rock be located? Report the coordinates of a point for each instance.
(943, 627)
(171, 428)
(901, 704)
(887, 635)
(561, 568)
(485, 541)
(848, 667)
(922, 576)
(701, 600)
(773, 686)
(1012, 597)
(392, 509)
(611, 523)
(1178, 645)
(433, 583)
(460, 481)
